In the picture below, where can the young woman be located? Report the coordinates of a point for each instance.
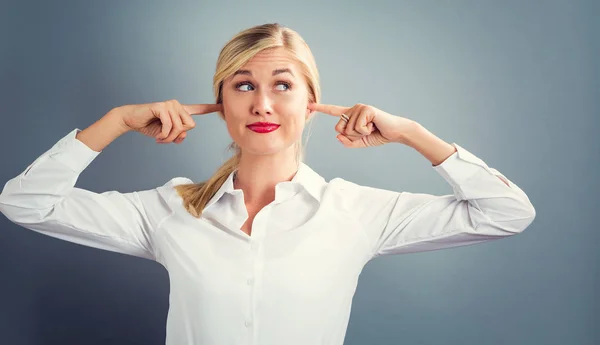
(265, 251)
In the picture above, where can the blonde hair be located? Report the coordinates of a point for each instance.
(241, 48)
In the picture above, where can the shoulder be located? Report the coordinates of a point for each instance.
(167, 191)
(169, 186)
(161, 201)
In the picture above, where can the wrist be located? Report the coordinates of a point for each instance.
(410, 133)
(115, 118)
(102, 132)
(428, 144)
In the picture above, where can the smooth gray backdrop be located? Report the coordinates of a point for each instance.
(514, 82)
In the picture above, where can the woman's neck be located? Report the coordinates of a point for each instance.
(257, 176)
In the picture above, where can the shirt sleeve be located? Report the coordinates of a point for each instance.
(481, 208)
(44, 198)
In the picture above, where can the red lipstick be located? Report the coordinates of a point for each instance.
(263, 127)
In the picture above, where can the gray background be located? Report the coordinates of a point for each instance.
(514, 82)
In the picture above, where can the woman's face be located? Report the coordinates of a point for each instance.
(269, 88)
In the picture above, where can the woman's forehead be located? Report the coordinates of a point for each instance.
(270, 61)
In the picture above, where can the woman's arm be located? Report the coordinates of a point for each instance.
(485, 205)
(481, 208)
(44, 198)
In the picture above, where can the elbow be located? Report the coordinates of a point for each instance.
(507, 221)
(17, 212)
(531, 217)
(9, 211)
(7, 202)
(524, 223)
(5, 208)
(21, 216)
(518, 224)
(528, 215)
(531, 210)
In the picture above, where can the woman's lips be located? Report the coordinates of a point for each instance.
(263, 128)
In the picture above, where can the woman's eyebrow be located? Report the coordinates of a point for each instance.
(275, 72)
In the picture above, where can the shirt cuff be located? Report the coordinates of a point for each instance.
(460, 166)
(72, 152)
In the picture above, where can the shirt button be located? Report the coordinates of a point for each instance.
(248, 323)
(250, 281)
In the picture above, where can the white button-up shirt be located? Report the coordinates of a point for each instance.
(292, 281)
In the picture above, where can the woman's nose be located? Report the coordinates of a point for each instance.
(262, 104)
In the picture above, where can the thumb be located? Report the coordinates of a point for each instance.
(344, 140)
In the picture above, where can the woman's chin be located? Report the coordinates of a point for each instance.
(265, 149)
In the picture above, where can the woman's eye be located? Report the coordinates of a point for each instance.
(243, 84)
(287, 86)
(239, 86)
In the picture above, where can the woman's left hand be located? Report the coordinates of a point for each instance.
(367, 125)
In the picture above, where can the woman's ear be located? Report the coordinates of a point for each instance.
(309, 114)
(222, 111)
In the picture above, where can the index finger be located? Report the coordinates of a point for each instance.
(200, 109)
(335, 110)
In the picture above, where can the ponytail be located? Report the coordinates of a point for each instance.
(197, 195)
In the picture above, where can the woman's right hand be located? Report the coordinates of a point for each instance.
(166, 121)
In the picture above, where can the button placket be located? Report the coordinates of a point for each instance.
(258, 234)
(254, 247)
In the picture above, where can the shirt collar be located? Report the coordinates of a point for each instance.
(305, 178)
